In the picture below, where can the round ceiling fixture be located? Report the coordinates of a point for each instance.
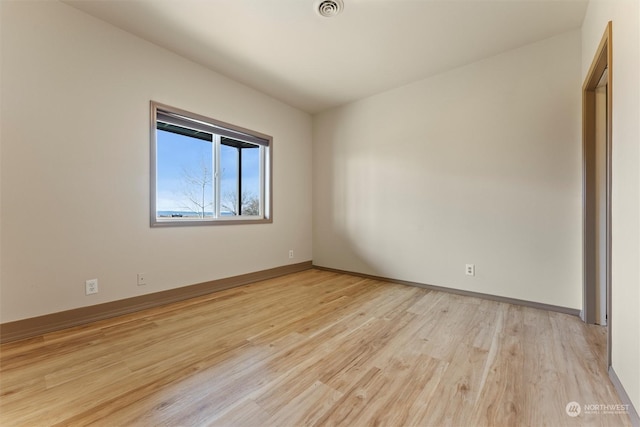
(329, 8)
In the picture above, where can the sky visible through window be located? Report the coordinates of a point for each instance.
(181, 160)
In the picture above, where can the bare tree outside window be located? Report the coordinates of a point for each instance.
(249, 202)
(196, 188)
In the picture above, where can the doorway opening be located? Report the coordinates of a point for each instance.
(596, 183)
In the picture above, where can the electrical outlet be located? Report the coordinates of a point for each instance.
(142, 279)
(470, 270)
(290, 253)
(91, 287)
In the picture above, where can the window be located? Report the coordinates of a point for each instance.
(207, 172)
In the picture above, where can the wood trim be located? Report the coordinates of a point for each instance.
(588, 208)
(598, 65)
(624, 397)
(27, 328)
(532, 304)
(603, 59)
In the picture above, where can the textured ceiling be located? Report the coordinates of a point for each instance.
(284, 49)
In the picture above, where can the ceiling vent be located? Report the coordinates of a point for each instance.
(329, 8)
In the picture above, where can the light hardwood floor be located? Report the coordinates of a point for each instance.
(313, 348)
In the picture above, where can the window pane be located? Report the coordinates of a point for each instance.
(229, 180)
(251, 181)
(184, 180)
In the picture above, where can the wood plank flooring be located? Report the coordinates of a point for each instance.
(313, 348)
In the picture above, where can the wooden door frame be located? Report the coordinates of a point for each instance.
(601, 61)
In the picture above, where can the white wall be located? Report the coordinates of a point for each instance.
(1, 127)
(75, 166)
(625, 216)
(478, 165)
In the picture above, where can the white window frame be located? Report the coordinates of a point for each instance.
(217, 129)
